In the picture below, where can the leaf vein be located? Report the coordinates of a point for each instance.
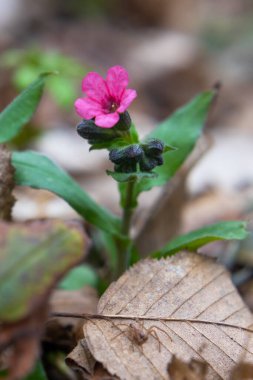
(197, 292)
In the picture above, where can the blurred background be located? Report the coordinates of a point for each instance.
(172, 50)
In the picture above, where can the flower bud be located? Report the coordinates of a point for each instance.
(159, 160)
(126, 159)
(126, 154)
(147, 164)
(152, 155)
(89, 131)
(124, 122)
(153, 147)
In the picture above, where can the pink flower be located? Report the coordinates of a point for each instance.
(106, 98)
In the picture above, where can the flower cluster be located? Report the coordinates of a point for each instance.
(105, 107)
(145, 157)
(106, 98)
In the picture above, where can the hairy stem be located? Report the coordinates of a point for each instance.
(124, 244)
(128, 209)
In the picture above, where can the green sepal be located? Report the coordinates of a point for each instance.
(169, 148)
(126, 177)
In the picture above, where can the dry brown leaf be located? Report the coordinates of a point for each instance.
(80, 359)
(22, 343)
(75, 301)
(100, 373)
(179, 370)
(243, 371)
(42, 250)
(66, 331)
(197, 298)
(6, 184)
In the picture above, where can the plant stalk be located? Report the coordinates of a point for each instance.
(124, 244)
(128, 209)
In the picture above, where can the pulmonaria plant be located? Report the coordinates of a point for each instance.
(139, 165)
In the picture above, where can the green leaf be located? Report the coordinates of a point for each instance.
(37, 171)
(125, 177)
(79, 277)
(38, 373)
(20, 111)
(33, 257)
(181, 130)
(232, 230)
(106, 242)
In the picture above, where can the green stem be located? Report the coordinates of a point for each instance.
(125, 243)
(128, 209)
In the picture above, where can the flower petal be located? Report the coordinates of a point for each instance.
(117, 80)
(107, 121)
(127, 97)
(94, 86)
(87, 108)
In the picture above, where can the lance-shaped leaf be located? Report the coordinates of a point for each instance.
(185, 305)
(181, 130)
(20, 111)
(38, 171)
(33, 257)
(233, 230)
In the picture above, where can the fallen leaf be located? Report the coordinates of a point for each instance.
(64, 332)
(80, 359)
(194, 370)
(7, 184)
(33, 257)
(20, 341)
(243, 371)
(73, 301)
(25, 352)
(100, 373)
(185, 305)
(31, 251)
